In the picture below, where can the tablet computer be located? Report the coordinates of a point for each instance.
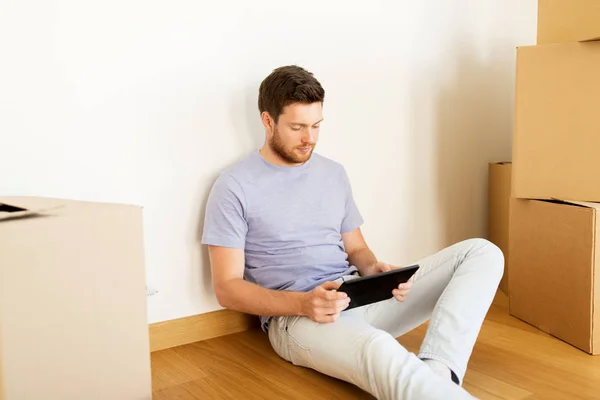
(374, 288)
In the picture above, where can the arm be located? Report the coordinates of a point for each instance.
(359, 254)
(356, 248)
(233, 292)
(365, 261)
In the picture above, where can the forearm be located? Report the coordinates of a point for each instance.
(247, 297)
(364, 260)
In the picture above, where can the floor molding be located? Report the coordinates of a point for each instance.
(177, 332)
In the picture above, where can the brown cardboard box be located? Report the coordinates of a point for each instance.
(555, 269)
(556, 147)
(498, 203)
(568, 21)
(72, 301)
(1, 374)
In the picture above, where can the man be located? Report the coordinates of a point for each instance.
(283, 232)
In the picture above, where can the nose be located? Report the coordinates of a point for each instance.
(308, 136)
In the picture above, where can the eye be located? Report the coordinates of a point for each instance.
(316, 126)
(296, 128)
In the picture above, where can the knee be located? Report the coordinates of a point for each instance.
(374, 341)
(492, 254)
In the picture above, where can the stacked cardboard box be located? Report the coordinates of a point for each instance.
(72, 301)
(554, 230)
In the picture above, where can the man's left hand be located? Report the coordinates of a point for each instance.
(403, 289)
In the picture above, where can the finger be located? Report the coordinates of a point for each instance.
(399, 298)
(335, 306)
(330, 285)
(327, 318)
(342, 304)
(400, 292)
(405, 285)
(333, 295)
(324, 311)
(385, 267)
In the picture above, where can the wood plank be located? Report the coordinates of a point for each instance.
(484, 386)
(171, 369)
(177, 332)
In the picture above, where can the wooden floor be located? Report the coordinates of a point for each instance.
(511, 360)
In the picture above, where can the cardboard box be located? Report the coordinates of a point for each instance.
(554, 265)
(562, 21)
(1, 374)
(498, 204)
(556, 147)
(72, 301)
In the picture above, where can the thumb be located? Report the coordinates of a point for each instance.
(330, 285)
(385, 267)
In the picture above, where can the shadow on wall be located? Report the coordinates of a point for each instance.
(470, 113)
(205, 276)
(249, 135)
(245, 118)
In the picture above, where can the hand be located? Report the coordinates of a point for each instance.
(403, 289)
(324, 304)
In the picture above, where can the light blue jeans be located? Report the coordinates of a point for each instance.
(453, 289)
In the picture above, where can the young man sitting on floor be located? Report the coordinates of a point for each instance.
(283, 232)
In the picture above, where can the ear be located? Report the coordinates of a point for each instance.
(268, 122)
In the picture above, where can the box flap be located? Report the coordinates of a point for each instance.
(594, 39)
(587, 204)
(9, 211)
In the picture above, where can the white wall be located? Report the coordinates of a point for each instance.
(145, 101)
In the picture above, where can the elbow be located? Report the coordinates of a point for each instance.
(222, 294)
(221, 298)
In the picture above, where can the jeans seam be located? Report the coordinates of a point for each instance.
(434, 356)
(449, 257)
(440, 305)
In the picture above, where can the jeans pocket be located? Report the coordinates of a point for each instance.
(278, 337)
(299, 353)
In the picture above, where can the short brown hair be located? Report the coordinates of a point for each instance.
(288, 85)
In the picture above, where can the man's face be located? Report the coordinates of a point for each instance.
(296, 132)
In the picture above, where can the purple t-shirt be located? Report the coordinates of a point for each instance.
(288, 220)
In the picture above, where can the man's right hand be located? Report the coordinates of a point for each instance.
(324, 304)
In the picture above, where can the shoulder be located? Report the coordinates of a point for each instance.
(232, 179)
(239, 173)
(239, 168)
(327, 164)
(330, 167)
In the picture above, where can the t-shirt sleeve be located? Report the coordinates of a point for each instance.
(224, 222)
(352, 218)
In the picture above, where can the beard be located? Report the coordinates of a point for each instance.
(289, 154)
